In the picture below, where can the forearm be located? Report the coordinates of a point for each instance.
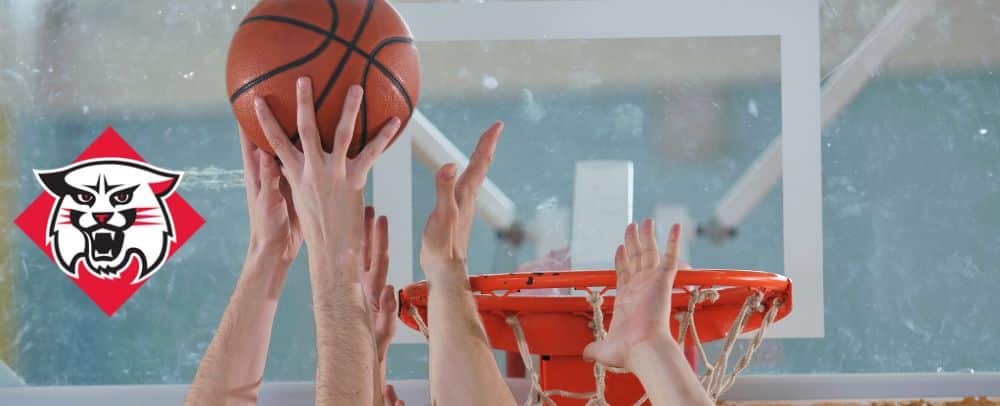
(462, 368)
(232, 368)
(345, 349)
(665, 374)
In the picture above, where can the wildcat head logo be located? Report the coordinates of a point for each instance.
(109, 220)
(106, 212)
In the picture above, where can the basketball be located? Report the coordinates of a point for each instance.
(337, 43)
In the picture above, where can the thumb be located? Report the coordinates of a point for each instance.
(600, 351)
(592, 351)
(438, 232)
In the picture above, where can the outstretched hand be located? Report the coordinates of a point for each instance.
(445, 243)
(274, 225)
(643, 294)
(327, 187)
(381, 296)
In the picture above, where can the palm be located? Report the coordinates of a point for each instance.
(642, 299)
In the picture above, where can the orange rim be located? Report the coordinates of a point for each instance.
(551, 321)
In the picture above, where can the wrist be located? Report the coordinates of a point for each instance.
(332, 265)
(448, 282)
(656, 346)
(261, 281)
(264, 262)
(267, 253)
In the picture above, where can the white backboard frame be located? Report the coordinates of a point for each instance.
(794, 22)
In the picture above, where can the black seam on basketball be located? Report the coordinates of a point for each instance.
(352, 48)
(289, 21)
(333, 36)
(364, 83)
(279, 70)
(347, 54)
(335, 18)
(372, 60)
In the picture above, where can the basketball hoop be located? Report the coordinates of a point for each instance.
(708, 305)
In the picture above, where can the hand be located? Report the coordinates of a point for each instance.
(381, 297)
(445, 243)
(274, 226)
(327, 187)
(643, 293)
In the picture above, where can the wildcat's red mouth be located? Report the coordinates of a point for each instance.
(105, 244)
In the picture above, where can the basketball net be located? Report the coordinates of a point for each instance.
(716, 380)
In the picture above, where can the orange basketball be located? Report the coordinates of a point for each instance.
(337, 43)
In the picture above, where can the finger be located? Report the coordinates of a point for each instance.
(621, 267)
(270, 176)
(385, 321)
(380, 241)
(472, 177)
(376, 277)
(389, 393)
(293, 217)
(633, 250)
(650, 256)
(251, 163)
(276, 137)
(366, 240)
(468, 184)
(306, 120)
(439, 229)
(345, 128)
(363, 163)
(671, 253)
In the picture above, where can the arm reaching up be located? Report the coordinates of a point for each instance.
(232, 368)
(381, 297)
(462, 368)
(639, 338)
(328, 189)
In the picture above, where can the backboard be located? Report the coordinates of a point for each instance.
(644, 107)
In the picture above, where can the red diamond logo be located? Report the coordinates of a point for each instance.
(109, 220)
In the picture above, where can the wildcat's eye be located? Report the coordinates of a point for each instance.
(84, 198)
(122, 197)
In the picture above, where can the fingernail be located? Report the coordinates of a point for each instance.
(355, 90)
(304, 82)
(258, 102)
(449, 173)
(395, 121)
